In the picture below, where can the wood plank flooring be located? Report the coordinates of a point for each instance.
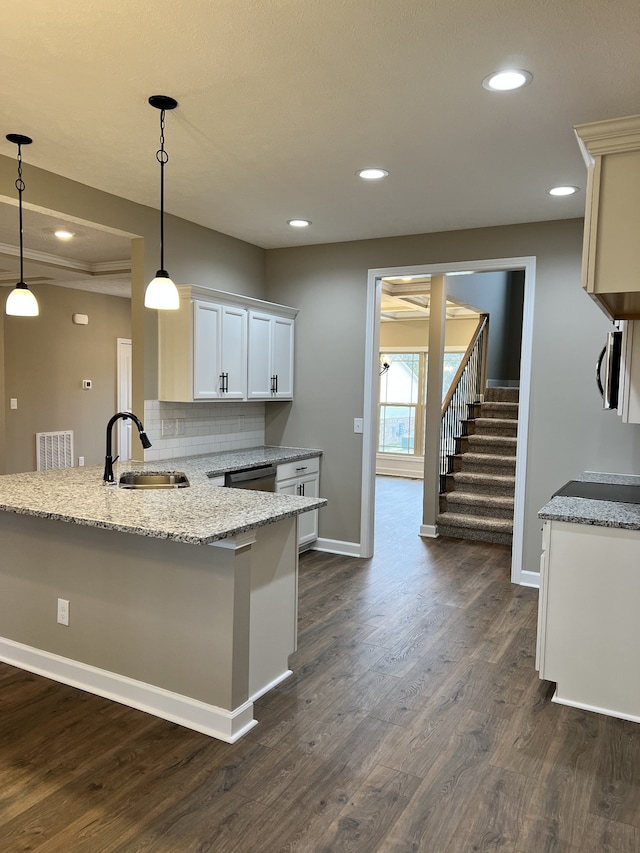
(414, 721)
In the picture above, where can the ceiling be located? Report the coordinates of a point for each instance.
(281, 101)
(408, 298)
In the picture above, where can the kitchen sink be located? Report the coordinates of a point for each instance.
(153, 480)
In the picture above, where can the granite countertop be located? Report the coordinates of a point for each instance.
(600, 513)
(198, 515)
(215, 464)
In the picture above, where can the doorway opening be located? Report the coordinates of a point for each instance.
(371, 392)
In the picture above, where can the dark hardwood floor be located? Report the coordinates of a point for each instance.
(414, 721)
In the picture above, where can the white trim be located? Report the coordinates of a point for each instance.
(394, 465)
(102, 268)
(210, 720)
(372, 348)
(526, 366)
(271, 685)
(235, 543)
(337, 546)
(530, 579)
(428, 531)
(370, 434)
(634, 718)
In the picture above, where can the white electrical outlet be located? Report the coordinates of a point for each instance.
(80, 461)
(179, 426)
(63, 611)
(358, 425)
(14, 403)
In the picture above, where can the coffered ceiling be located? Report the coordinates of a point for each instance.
(281, 101)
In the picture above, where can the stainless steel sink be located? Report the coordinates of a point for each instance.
(153, 480)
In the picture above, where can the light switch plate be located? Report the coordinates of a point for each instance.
(358, 425)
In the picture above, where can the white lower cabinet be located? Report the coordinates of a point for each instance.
(588, 624)
(302, 478)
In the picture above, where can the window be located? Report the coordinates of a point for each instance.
(402, 399)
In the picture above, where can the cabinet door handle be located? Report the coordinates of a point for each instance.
(276, 378)
(302, 487)
(302, 468)
(226, 382)
(222, 383)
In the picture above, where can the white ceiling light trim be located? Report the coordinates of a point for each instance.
(507, 80)
(372, 174)
(563, 191)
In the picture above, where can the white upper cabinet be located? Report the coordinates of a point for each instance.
(219, 352)
(611, 248)
(271, 342)
(204, 349)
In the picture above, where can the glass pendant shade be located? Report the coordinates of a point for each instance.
(21, 302)
(161, 293)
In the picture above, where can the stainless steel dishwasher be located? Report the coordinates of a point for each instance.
(262, 479)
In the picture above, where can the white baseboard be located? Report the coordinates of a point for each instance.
(429, 531)
(585, 707)
(529, 579)
(337, 546)
(210, 720)
(271, 685)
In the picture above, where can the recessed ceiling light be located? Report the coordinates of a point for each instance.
(563, 190)
(64, 235)
(505, 81)
(299, 223)
(372, 174)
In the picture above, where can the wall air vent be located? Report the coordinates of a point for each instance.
(54, 450)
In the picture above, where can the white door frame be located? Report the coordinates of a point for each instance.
(372, 346)
(124, 392)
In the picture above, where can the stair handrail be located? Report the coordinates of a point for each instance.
(465, 389)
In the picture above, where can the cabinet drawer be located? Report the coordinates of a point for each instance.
(298, 469)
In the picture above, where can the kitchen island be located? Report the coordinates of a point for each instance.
(588, 625)
(182, 602)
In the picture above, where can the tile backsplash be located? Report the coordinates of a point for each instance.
(191, 429)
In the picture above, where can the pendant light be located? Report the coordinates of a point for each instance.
(21, 302)
(162, 293)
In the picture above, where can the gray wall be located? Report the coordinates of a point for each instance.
(49, 389)
(490, 292)
(194, 255)
(568, 433)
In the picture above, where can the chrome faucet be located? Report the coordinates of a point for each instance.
(144, 440)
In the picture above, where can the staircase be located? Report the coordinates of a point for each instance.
(478, 501)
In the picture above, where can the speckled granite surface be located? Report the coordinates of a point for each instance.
(200, 514)
(598, 513)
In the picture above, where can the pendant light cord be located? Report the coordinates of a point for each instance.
(20, 186)
(163, 158)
